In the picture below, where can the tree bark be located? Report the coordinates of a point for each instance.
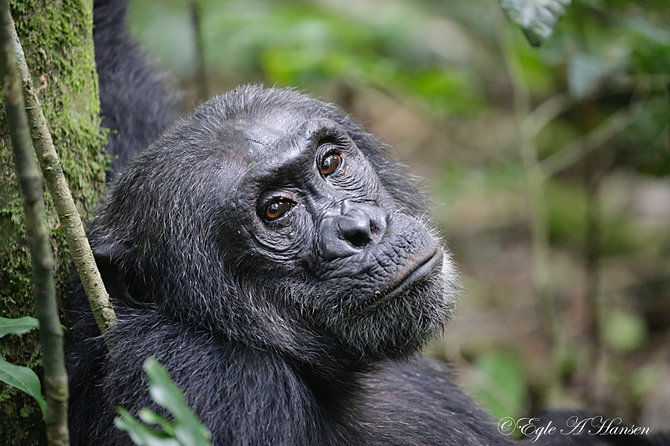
(57, 39)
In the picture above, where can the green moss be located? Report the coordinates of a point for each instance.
(57, 40)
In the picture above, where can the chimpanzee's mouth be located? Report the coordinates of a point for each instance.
(407, 278)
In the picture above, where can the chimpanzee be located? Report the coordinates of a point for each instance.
(274, 259)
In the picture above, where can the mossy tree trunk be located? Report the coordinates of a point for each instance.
(57, 40)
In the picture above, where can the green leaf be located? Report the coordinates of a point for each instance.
(584, 75)
(23, 379)
(17, 326)
(537, 18)
(140, 434)
(148, 416)
(500, 384)
(186, 429)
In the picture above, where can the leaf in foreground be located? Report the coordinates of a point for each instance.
(186, 429)
(537, 18)
(17, 326)
(23, 379)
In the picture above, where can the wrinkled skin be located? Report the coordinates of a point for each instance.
(349, 271)
(343, 242)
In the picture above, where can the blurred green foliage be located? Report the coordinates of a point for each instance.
(500, 384)
(455, 89)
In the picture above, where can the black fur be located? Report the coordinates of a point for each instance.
(136, 101)
(287, 331)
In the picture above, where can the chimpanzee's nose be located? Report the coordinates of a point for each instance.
(352, 229)
(359, 223)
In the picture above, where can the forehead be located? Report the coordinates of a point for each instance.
(248, 138)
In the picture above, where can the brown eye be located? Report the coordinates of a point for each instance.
(330, 163)
(277, 208)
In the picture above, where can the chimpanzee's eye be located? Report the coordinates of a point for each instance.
(330, 163)
(276, 208)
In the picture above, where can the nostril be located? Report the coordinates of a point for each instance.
(360, 224)
(355, 230)
(358, 239)
(374, 228)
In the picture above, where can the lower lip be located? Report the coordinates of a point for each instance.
(418, 272)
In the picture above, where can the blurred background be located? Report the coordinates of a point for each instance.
(548, 168)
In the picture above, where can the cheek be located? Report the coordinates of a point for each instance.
(282, 247)
(375, 192)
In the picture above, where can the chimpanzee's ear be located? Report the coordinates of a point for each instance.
(110, 261)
